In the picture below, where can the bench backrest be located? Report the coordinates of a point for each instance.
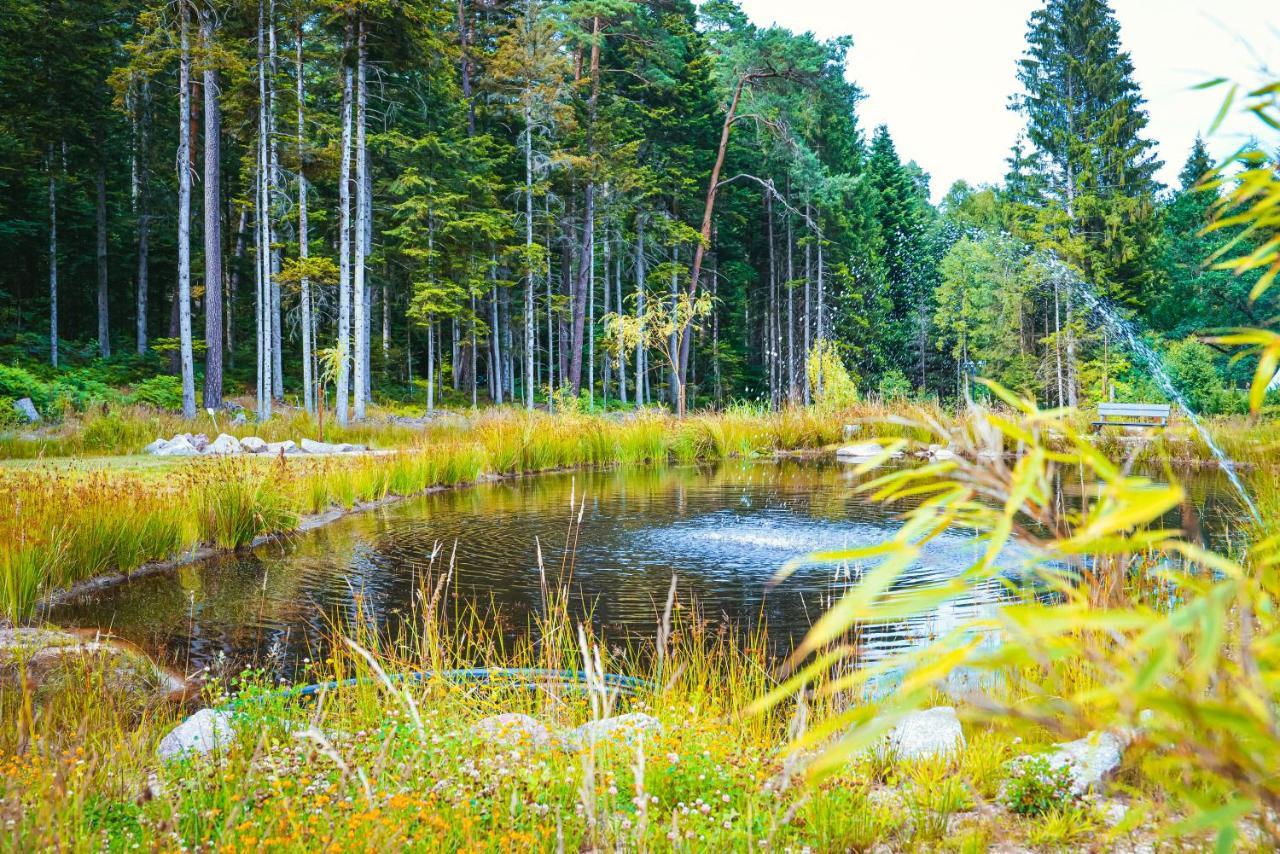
(1134, 410)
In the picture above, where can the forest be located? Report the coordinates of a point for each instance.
(620, 444)
(453, 203)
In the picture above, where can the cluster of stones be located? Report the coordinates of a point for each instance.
(189, 445)
(918, 735)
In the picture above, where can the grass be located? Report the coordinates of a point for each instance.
(70, 522)
(381, 766)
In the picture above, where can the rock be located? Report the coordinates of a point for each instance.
(1091, 758)
(224, 444)
(49, 660)
(513, 730)
(240, 419)
(285, 447)
(851, 429)
(937, 452)
(27, 409)
(178, 446)
(932, 732)
(154, 447)
(313, 447)
(199, 441)
(253, 445)
(863, 451)
(202, 733)
(620, 728)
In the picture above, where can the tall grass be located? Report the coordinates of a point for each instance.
(68, 525)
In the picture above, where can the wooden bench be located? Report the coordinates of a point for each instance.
(1134, 415)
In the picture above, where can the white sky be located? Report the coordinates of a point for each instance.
(939, 73)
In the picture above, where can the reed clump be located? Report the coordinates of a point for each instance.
(389, 763)
(70, 521)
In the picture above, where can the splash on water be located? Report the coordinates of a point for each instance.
(1124, 329)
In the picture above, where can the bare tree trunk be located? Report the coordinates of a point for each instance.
(273, 174)
(144, 220)
(808, 316)
(617, 289)
(212, 222)
(344, 245)
(771, 308)
(495, 392)
(713, 187)
(262, 233)
(591, 325)
(233, 282)
(641, 368)
(585, 264)
(464, 40)
(100, 223)
(608, 287)
(528, 255)
(361, 307)
(308, 380)
(184, 219)
(791, 307)
(431, 364)
(53, 261)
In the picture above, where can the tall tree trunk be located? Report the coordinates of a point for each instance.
(771, 306)
(53, 260)
(617, 292)
(184, 218)
(344, 244)
(713, 187)
(273, 173)
(808, 316)
(262, 234)
(608, 288)
(641, 368)
(528, 257)
(431, 364)
(100, 223)
(212, 222)
(308, 380)
(464, 41)
(791, 306)
(144, 220)
(588, 223)
(361, 307)
(495, 392)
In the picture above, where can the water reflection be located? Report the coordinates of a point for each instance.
(725, 530)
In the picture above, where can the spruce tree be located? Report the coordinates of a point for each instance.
(1086, 121)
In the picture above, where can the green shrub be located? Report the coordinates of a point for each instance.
(161, 391)
(1035, 787)
(18, 383)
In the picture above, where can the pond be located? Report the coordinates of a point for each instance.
(723, 530)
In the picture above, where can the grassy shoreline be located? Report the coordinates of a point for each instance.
(75, 521)
(382, 765)
(71, 525)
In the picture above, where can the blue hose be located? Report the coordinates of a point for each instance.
(524, 677)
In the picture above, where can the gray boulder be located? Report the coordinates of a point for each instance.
(313, 447)
(178, 446)
(863, 451)
(202, 733)
(239, 419)
(932, 732)
(937, 452)
(1091, 759)
(253, 445)
(154, 447)
(285, 447)
(224, 444)
(27, 409)
(46, 661)
(512, 730)
(626, 729)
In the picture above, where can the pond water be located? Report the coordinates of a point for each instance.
(724, 530)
